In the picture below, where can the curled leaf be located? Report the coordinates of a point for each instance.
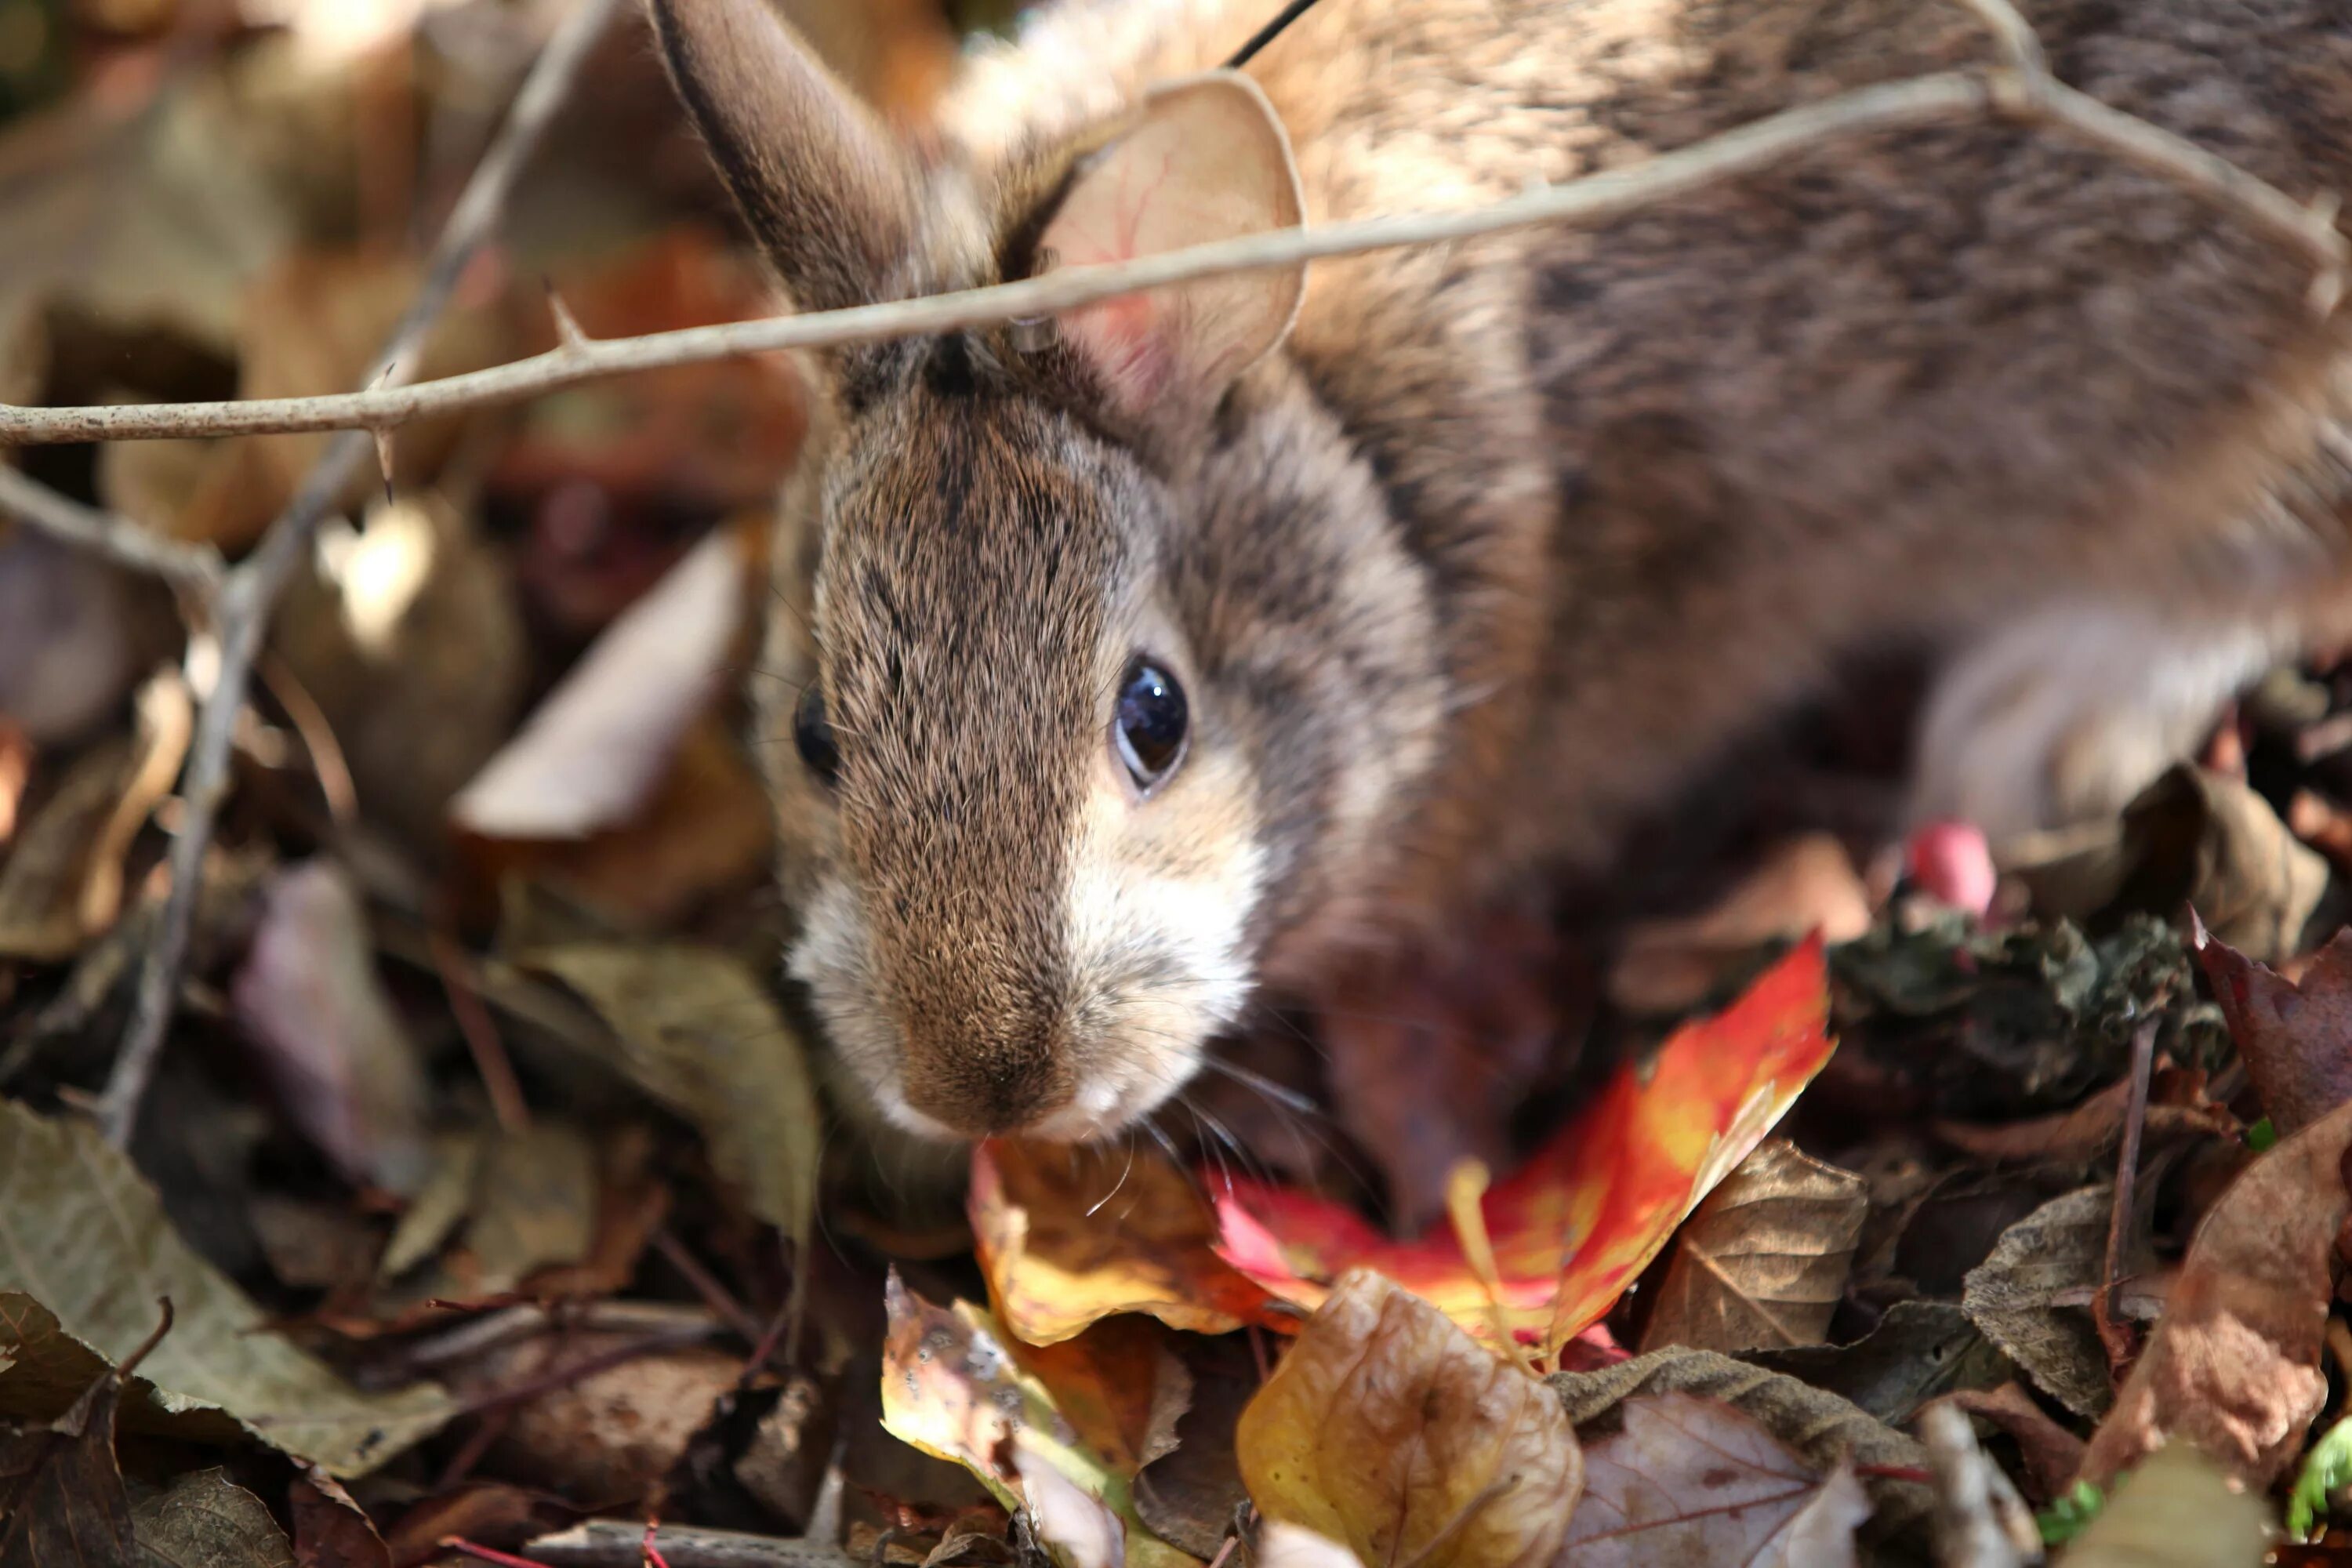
(1572, 1228)
(951, 1388)
(1763, 1260)
(1389, 1429)
(1068, 1237)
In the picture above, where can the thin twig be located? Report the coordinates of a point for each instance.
(1592, 199)
(249, 593)
(2115, 1337)
(109, 534)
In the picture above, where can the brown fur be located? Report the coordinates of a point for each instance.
(1514, 533)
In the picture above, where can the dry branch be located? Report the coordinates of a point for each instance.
(2021, 89)
(111, 535)
(248, 594)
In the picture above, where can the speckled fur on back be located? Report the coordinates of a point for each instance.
(1509, 535)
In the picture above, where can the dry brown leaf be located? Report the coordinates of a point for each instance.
(1806, 883)
(2177, 1510)
(410, 641)
(2292, 1035)
(591, 755)
(203, 1519)
(1820, 1428)
(15, 772)
(61, 1494)
(70, 638)
(1764, 1260)
(2195, 837)
(330, 1531)
(325, 1034)
(1693, 1483)
(535, 1206)
(62, 883)
(1387, 1427)
(605, 1435)
(2012, 1296)
(695, 1029)
(2233, 1366)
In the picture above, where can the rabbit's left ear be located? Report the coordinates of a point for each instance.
(1204, 159)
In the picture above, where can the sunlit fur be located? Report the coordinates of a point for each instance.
(1513, 535)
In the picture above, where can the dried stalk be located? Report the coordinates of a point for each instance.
(248, 594)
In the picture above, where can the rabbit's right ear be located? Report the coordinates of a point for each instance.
(824, 185)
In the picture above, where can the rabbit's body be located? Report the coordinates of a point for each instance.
(1504, 538)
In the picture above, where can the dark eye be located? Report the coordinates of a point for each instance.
(813, 736)
(1151, 722)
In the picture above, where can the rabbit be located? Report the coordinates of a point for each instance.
(1236, 639)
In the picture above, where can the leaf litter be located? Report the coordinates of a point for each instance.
(534, 1227)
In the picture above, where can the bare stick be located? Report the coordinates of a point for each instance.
(249, 593)
(2026, 92)
(109, 534)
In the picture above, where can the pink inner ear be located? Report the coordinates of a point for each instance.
(1121, 337)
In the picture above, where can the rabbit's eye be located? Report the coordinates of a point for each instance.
(813, 736)
(1152, 724)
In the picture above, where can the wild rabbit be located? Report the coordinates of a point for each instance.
(1239, 635)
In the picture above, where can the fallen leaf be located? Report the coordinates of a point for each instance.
(695, 1029)
(599, 1434)
(1997, 1024)
(536, 1206)
(1574, 1226)
(491, 1512)
(708, 828)
(1071, 1523)
(2053, 1455)
(71, 643)
(88, 1232)
(1691, 1483)
(1387, 1427)
(408, 639)
(330, 1531)
(311, 1243)
(1823, 1430)
(1192, 1495)
(61, 1493)
(1805, 884)
(62, 885)
(1980, 1521)
(590, 754)
(15, 772)
(952, 1389)
(324, 1031)
(203, 1519)
(1069, 1236)
(2233, 1365)
(2090, 1129)
(2179, 1510)
(783, 1464)
(440, 1206)
(1919, 1351)
(2012, 1296)
(1763, 1260)
(1118, 1385)
(2198, 838)
(2291, 1034)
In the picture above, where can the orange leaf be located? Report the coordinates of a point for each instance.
(1069, 1235)
(1572, 1228)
